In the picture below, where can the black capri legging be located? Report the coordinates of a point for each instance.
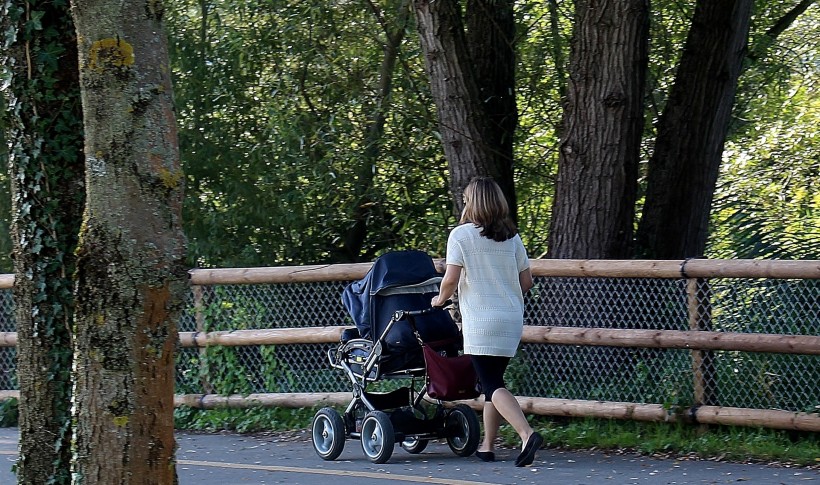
(490, 370)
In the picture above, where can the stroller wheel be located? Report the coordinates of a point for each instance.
(414, 445)
(328, 433)
(378, 438)
(463, 430)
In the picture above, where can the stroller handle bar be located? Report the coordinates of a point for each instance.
(401, 314)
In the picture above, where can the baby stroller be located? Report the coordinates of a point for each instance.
(391, 309)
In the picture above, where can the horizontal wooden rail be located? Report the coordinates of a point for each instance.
(284, 400)
(6, 281)
(674, 339)
(607, 337)
(8, 339)
(768, 418)
(545, 407)
(693, 268)
(613, 268)
(281, 274)
(280, 336)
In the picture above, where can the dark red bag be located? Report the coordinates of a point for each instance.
(450, 378)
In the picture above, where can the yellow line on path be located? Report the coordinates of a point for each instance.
(291, 469)
(382, 476)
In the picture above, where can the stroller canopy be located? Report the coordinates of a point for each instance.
(390, 271)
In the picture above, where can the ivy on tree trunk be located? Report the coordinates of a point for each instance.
(46, 165)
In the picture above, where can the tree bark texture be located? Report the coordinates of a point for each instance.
(491, 43)
(596, 188)
(130, 278)
(692, 130)
(464, 123)
(47, 169)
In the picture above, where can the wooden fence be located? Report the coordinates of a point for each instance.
(695, 340)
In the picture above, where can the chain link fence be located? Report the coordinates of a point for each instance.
(8, 355)
(638, 375)
(666, 376)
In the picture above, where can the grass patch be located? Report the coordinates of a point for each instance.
(9, 412)
(243, 420)
(677, 439)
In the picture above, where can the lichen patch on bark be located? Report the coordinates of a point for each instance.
(110, 53)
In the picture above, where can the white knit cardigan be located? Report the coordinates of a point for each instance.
(489, 292)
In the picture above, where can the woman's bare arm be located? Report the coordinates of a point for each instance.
(525, 280)
(448, 285)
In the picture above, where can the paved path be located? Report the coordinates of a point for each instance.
(228, 459)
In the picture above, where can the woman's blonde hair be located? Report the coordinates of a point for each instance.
(486, 207)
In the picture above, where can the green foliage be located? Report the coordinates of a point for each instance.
(517, 375)
(9, 412)
(6, 264)
(767, 203)
(543, 47)
(771, 381)
(275, 100)
(243, 420)
(224, 367)
(634, 375)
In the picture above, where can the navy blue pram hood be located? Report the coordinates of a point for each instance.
(399, 280)
(394, 269)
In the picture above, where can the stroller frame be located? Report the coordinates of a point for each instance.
(379, 420)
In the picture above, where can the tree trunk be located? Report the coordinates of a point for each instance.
(596, 188)
(464, 123)
(491, 42)
(47, 170)
(692, 130)
(130, 277)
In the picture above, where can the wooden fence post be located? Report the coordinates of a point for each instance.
(699, 304)
(199, 318)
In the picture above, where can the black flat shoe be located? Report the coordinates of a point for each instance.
(485, 455)
(528, 455)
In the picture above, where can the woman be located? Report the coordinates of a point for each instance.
(488, 264)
